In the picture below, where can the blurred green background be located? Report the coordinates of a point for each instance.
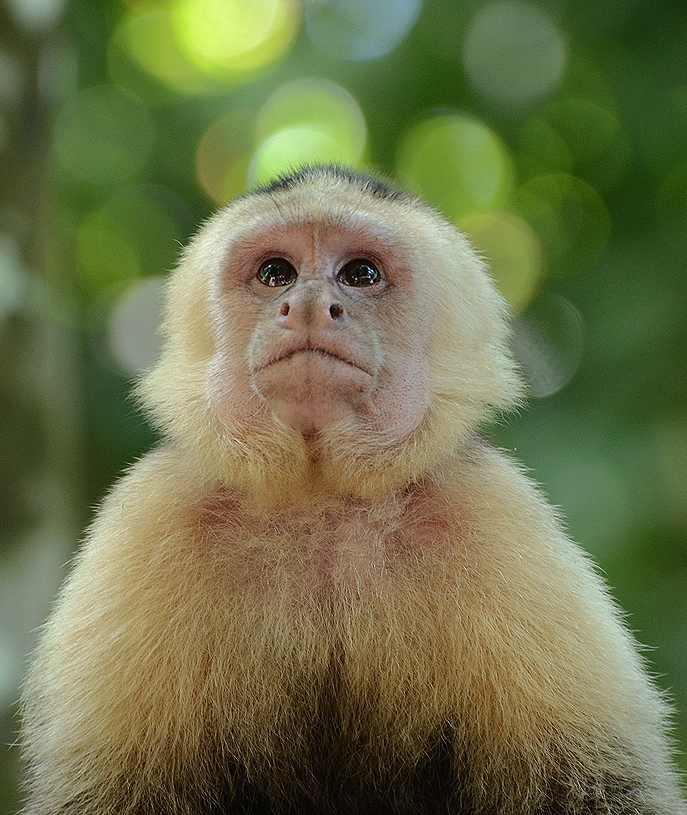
(554, 133)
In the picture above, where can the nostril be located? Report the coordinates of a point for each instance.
(336, 311)
(284, 310)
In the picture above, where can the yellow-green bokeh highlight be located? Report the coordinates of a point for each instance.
(133, 234)
(151, 41)
(569, 216)
(306, 122)
(232, 39)
(223, 154)
(512, 251)
(321, 105)
(102, 135)
(595, 137)
(291, 148)
(457, 163)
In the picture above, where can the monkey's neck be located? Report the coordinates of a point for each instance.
(273, 465)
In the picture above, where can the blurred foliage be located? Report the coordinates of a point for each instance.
(553, 132)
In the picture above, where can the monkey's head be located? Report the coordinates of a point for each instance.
(328, 326)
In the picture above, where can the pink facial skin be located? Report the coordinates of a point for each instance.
(321, 352)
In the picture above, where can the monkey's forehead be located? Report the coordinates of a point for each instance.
(325, 201)
(323, 198)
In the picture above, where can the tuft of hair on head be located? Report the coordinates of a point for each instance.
(368, 182)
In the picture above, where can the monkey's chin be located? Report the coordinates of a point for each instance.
(310, 391)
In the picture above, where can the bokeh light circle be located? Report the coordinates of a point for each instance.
(595, 137)
(132, 337)
(514, 54)
(149, 37)
(307, 121)
(319, 104)
(135, 233)
(103, 135)
(548, 342)
(541, 149)
(457, 163)
(570, 218)
(359, 30)
(223, 154)
(290, 148)
(512, 251)
(233, 38)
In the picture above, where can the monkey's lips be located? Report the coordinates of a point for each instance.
(319, 384)
(316, 353)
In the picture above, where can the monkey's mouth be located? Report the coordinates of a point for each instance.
(315, 351)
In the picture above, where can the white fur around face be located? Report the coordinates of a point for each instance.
(432, 340)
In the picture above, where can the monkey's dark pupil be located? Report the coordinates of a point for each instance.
(359, 273)
(276, 272)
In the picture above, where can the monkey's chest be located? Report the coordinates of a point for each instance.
(339, 776)
(325, 622)
(347, 545)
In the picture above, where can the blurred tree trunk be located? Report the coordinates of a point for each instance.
(39, 430)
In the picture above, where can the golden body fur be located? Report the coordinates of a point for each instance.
(380, 614)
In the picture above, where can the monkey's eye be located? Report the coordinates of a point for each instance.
(358, 273)
(277, 272)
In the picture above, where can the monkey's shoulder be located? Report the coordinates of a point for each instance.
(478, 491)
(478, 508)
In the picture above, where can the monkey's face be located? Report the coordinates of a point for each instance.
(332, 329)
(327, 316)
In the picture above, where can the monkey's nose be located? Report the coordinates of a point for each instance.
(309, 312)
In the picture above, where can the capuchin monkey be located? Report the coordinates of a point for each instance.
(324, 592)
